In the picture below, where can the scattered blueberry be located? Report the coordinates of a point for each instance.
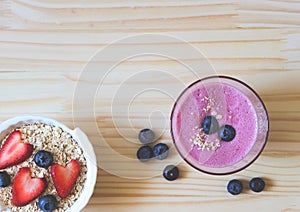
(257, 184)
(4, 179)
(43, 159)
(47, 203)
(227, 133)
(210, 125)
(146, 136)
(144, 153)
(235, 187)
(160, 151)
(171, 172)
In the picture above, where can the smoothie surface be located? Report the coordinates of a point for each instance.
(230, 106)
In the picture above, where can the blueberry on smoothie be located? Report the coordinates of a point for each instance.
(210, 125)
(227, 133)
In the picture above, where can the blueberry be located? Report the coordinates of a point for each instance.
(144, 153)
(227, 133)
(160, 151)
(171, 173)
(210, 125)
(257, 184)
(146, 136)
(43, 159)
(47, 203)
(4, 179)
(235, 187)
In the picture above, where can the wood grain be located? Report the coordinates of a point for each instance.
(45, 45)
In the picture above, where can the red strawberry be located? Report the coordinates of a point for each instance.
(14, 151)
(64, 178)
(25, 188)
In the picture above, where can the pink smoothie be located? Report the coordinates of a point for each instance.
(230, 106)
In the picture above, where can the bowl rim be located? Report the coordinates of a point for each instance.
(267, 131)
(82, 140)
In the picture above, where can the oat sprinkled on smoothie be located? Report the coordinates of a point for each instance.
(199, 140)
(210, 103)
(219, 117)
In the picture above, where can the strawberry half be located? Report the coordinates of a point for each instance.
(14, 151)
(25, 188)
(64, 178)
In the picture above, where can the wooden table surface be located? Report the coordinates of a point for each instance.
(45, 45)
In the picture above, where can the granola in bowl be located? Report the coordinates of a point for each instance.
(68, 178)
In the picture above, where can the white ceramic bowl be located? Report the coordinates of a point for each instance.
(79, 136)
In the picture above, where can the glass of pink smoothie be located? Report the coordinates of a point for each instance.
(229, 102)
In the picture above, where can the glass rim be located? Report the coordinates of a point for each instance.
(267, 130)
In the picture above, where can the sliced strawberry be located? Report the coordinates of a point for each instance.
(25, 188)
(14, 151)
(64, 178)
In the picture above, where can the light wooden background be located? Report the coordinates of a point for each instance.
(44, 45)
